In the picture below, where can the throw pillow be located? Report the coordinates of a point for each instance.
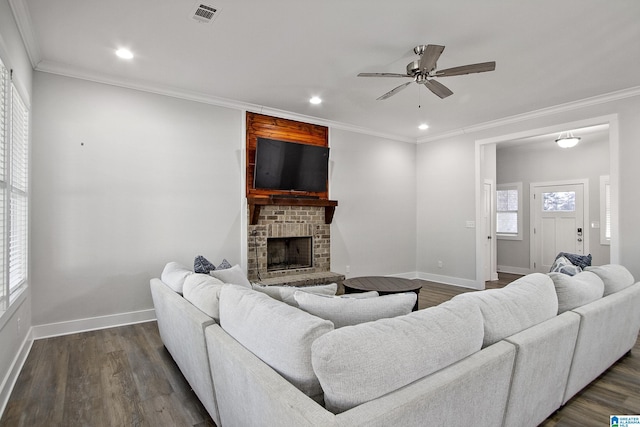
(563, 265)
(233, 275)
(582, 261)
(280, 335)
(351, 311)
(174, 274)
(614, 276)
(363, 362)
(286, 293)
(223, 265)
(203, 291)
(578, 290)
(202, 265)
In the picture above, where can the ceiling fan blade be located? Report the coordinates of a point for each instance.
(394, 91)
(438, 88)
(430, 56)
(383, 75)
(466, 69)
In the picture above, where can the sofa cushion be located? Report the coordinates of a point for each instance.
(360, 363)
(203, 291)
(285, 293)
(614, 276)
(521, 304)
(563, 265)
(578, 290)
(233, 275)
(361, 295)
(278, 334)
(174, 274)
(351, 311)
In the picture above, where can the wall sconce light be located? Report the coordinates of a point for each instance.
(567, 140)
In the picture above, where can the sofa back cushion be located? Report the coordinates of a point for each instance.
(523, 303)
(203, 291)
(359, 363)
(352, 311)
(614, 276)
(286, 293)
(278, 334)
(174, 275)
(578, 290)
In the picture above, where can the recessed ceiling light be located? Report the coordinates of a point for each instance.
(315, 100)
(124, 53)
(423, 126)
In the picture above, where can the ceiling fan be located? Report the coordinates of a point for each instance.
(423, 70)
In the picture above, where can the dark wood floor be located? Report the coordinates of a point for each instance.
(125, 377)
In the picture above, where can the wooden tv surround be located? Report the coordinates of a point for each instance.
(259, 125)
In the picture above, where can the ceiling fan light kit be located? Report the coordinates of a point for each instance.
(567, 140)
(424, 70)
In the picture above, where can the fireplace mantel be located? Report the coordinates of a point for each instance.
(256, 202)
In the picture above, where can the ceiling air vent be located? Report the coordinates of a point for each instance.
(204, 13)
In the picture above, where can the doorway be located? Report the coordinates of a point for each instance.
(558, 217)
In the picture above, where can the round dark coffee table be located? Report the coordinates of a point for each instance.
(383, 285)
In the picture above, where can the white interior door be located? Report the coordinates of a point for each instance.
(557, 223)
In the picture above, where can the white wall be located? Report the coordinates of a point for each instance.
(124, 181)
(445, 169)
(374, 182)
(445, 203)
(522, 163)
(15, 323)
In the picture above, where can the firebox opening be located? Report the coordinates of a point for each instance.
(287, 253)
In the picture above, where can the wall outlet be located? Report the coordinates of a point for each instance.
(439, 264)
(347, 269)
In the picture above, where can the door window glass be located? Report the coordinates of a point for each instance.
(559, 201)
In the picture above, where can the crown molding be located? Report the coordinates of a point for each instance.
(557, 109)
(25, 26)
(68, 71)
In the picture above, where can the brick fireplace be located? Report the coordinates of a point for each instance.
(292, 229)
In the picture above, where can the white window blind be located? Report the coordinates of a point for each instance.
(14, 189)
(509, 211)
(18, 192)
(4, 135)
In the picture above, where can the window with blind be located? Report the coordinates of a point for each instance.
(14, 194)
(509, 211)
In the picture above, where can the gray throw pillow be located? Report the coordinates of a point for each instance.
(233, 275)
(563, 265)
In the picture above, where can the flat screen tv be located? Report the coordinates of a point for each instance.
(290, 166)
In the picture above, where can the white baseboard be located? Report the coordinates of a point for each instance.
(514, 270)
(92, 324)
(448, 280)
(9, 381)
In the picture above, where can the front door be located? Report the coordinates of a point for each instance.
(557, 223)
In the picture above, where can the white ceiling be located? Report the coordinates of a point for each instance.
(276, 54)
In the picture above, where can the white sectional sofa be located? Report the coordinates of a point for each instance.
(508, 356)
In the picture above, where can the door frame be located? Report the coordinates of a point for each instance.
(585, 212)
(493, 244)
(614, 176)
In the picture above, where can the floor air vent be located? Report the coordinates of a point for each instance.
(204, 13)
